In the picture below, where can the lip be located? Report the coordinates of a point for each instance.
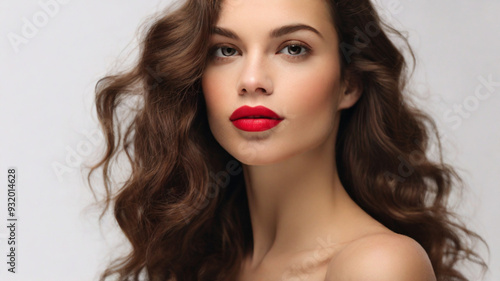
(254, 119)
(258, 111)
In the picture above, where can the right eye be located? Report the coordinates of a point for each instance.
(225, 51)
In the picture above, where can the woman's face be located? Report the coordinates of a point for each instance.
(283, 55)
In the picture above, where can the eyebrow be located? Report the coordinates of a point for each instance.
(275, 33)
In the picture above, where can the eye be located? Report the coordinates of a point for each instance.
(225, 51)
(294, 50)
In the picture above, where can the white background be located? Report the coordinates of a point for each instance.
(47, 119)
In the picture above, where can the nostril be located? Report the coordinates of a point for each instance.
(258, 90)
(255, 87)
(263, 90)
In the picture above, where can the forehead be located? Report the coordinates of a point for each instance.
(272, 13)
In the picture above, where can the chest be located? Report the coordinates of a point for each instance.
(307, 268)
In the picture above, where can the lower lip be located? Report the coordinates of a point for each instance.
(255, 124)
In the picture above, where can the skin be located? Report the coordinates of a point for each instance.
(305, 226)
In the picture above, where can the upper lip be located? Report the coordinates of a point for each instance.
(258, 111)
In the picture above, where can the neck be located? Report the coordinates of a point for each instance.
(294, 202)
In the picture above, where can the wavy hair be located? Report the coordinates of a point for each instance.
(183, 206)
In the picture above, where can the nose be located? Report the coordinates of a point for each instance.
(255, 76)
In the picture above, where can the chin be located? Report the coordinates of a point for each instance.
(253, 156)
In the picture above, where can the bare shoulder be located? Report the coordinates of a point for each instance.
(386, 256)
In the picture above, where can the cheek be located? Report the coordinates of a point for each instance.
(211, 87)
(216, 102)
(312, 105)
(316, 94)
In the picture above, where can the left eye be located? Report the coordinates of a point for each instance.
(294, 50)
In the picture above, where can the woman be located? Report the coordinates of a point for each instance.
(272, 141)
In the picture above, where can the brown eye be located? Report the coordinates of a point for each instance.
(295, 50)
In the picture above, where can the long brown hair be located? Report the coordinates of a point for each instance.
(183, 206)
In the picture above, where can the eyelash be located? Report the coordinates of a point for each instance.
(216, 51)
(305, 50)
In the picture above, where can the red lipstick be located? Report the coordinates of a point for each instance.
(254, 119)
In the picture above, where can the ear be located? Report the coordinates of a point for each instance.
(350, 92)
